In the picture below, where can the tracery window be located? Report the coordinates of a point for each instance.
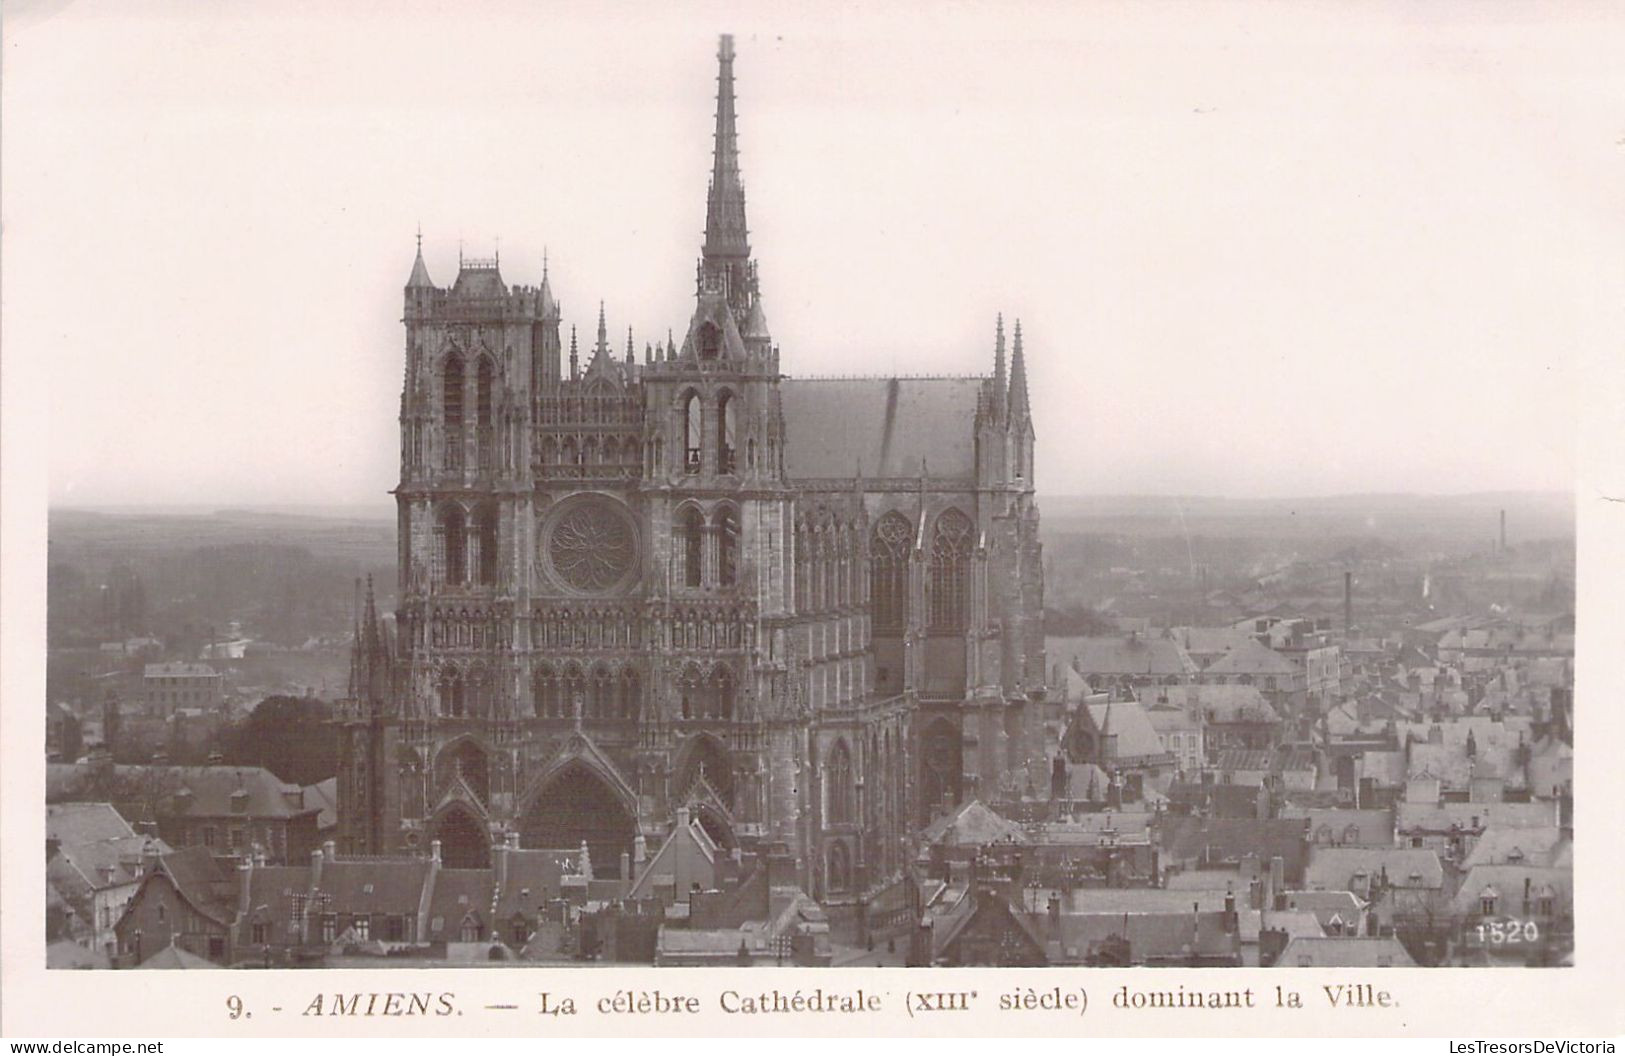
(889, 549)
(691, 535)
(451, 692)
(947, 603)
(450, 546)
(631, 694)
(451, 409)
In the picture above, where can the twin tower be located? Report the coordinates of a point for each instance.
(804, 614)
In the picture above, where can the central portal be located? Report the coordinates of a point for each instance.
(577, 806)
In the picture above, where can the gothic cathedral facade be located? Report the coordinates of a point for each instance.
(806, 611)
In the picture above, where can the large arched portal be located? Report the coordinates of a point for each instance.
(578, 806)
(464, 843)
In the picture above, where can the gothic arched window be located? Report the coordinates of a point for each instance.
(889, 550)
(688, 687)
(575, 691)
(725, 433)
(602, 693)
(544, 689)
(451, 692)
(727, 530)
(691, 537)
(451, 409)
(484, 392)
(722, 679)
(948, 602)
(451, 546)
(692, 426)
(838, 787)
(485, 539)
(631, 694)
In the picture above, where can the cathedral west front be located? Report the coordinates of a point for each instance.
(632, 583)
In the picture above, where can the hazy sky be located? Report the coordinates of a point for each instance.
(1256, 249)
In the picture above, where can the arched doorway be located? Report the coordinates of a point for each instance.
(578, 806)
(464, 843)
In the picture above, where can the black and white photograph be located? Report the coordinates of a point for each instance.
(1046, 487)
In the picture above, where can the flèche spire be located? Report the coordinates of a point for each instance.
(726, 240)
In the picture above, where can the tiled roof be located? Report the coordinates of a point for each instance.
(1439, 817)
(881, 427)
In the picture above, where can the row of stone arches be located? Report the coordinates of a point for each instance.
(578, 805)
(572, 691)
(589, 629)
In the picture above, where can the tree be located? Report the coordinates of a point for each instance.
(289, 736)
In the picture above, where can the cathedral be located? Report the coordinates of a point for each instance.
(806, 613)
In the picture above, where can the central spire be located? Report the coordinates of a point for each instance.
(726, 239)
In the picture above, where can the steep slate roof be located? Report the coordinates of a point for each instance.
(1231, 839)
(1342, 952)
(883, 427)
(1335, 868)
(973, 825)
(85, 823)
(458, 893)
(1122, 655)
(212, 788)
(377, 886)
(1508, 881)
(1150, 935)
(1357, 828)
(200, 881)
(1128, 723)
(531, 877)
(1219, 703)
(324, 796)
(1503, 845)
(175, 957)
(688, 856)
(1251, 658)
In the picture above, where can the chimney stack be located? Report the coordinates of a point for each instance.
(1503, 531)
(1348, 604)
